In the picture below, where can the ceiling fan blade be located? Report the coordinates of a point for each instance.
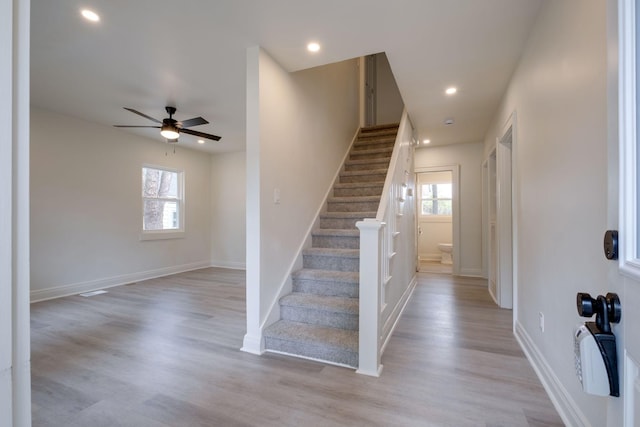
(196, 121)
(135, 126)
(142, 114)
(200, 134)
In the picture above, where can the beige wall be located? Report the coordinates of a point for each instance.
(86, 207)
(228, 210)
(389, 103)
(559, 94)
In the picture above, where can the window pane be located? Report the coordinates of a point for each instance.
(427, 191)
(444, 207)
(159, 183)
(445, 191)
(160, 215)
(427, 207)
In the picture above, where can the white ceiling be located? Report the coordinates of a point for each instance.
(146, 54)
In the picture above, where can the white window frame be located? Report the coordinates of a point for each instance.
(435, 217)
(165, 234)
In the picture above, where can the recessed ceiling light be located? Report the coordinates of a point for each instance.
(448, 121)
(426, 141)
(451, 90)
(201, 141)
(90, 15)
(313, 47)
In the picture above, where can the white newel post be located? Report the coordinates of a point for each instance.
(370, 282)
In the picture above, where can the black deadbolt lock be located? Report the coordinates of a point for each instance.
(611, 244)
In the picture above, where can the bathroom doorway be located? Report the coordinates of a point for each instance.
(437, 216)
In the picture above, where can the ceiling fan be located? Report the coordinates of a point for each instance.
(171, 128)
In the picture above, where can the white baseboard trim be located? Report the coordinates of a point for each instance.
(471, 272)
(565, 405)
(233, 265)
(110, 282)
(392, 321)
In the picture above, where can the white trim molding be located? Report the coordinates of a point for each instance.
(567, 408)
(110, 282)
(455, 218)
(627, 115)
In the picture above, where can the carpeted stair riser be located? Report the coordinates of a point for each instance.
(335, 345)
(342, 242)
(327, 283)
(353, 204)
(367, 164)
(380, 129)
(334, 262)
(375, 175)
(344, 315)
(349, 189)
(368, 144)
(376, 153)
(343, 220)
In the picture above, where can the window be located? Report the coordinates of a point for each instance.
(436, 199)
(162, 201)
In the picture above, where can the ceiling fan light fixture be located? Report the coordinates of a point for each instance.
(169, 132)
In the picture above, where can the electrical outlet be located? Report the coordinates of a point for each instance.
(541, 321)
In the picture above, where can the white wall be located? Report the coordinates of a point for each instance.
(559, 93)
(299, 127)
(228, 210)
(469, 157)
(389, 105)
(86, 207)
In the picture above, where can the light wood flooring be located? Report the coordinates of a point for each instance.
(435, 267)
(165, 352)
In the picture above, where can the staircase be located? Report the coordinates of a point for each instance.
(319, 319)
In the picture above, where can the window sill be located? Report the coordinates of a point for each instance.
(162, 235)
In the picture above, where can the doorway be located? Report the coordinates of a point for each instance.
(498, 223)
(437, 219)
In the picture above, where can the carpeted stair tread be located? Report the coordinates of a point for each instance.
(381, 160)
(343, 284)
(326, 275)
(341, 232)
(368, 150)
(321, 302)
(364, 172)
(346, 253)
(337, 215)
(380, 129)
(329, 344)
(353, 199)
(342, 185)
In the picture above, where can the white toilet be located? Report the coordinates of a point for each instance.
(446, 249)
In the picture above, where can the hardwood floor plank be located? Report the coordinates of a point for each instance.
(165, 352)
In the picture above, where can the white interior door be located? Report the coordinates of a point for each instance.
(626, 410)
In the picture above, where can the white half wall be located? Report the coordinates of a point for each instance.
(86, 208)
(559, 94)
(299, 127)
(469, 157)
(228, 210)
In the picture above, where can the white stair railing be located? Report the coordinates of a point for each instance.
(387, 254)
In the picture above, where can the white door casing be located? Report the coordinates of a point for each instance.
(455, 179)
(627, 281)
